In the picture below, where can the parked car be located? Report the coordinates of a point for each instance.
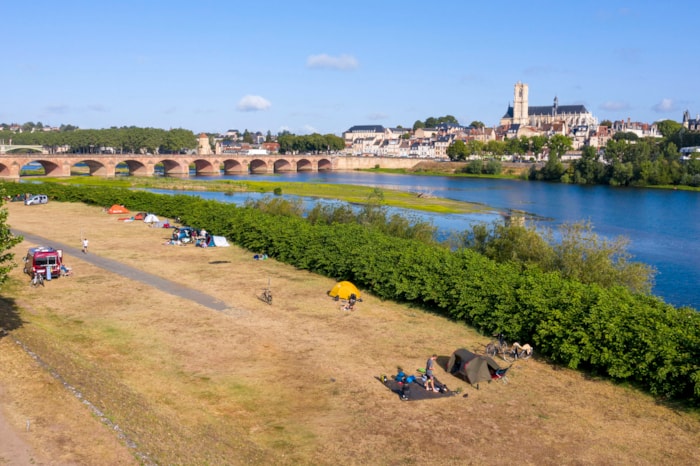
(37, 199)
(44, 260)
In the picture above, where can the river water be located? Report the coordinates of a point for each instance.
(663, 226)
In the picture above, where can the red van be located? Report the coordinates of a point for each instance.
(44, 260)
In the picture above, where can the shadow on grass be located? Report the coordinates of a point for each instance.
(9, 316)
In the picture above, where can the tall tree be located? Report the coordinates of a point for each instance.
(559, 144)
(668, 128)
(457, 150)
(7, 242)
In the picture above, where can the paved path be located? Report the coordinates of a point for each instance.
(167, 286)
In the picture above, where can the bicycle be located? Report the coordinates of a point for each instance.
(518, 351)
(266, 295)
(498, 347)
(37, 280)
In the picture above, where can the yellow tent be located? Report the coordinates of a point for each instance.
(343, 290)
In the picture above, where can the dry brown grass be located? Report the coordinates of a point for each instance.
(291, 383)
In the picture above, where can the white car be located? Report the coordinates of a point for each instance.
(37, 199)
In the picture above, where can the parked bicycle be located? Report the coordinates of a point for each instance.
(518, 351)
(37, 280)
(498, 347)
(266, 295)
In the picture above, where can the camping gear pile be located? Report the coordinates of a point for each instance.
(181, 235)
(413, 387)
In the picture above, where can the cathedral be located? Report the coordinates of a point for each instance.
(521, 113)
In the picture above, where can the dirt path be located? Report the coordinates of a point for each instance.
(14, 449)
(167, 286)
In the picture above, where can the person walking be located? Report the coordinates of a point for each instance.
(85, 245)
(430, 373)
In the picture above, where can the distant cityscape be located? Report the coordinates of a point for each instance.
(520, 120)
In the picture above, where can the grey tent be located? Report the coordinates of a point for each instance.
(473, 367)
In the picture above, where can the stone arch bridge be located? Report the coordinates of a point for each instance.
(107, 165)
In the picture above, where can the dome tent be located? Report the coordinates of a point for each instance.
(343, 290)
(472, 367)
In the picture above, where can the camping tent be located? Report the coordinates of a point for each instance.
(150, 218)
(118, 209)
(219, 242)
(211, 241)
(343, 290)
(473, 367)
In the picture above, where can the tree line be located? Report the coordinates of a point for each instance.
(128, 140)
(312, 143)
(626, 159)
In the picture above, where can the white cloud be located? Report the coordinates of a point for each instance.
(253, 103)
(323, 61)
(615, 106)
(666, 105)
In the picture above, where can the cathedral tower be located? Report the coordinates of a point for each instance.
(520, 104)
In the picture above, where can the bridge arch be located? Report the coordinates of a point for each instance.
(9, 170)
(174, 168)
(134, 168)
(304, 165)
(258, 166)
(206, 167)
(282, 165)
(234, 167)
(95, 167)
(50, 167)
(324, 165)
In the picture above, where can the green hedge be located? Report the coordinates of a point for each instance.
(609, 331)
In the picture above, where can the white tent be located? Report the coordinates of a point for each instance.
(220, 242)
(150, 218)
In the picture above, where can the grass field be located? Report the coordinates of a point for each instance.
(290, 383)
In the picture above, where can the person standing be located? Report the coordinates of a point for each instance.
(85, 245)
(430, 373)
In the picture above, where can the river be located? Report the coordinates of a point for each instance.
(662, 225)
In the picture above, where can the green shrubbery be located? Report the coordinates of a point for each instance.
(628, 337)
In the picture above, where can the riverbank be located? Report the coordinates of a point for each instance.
(354, 194)
(291, 383)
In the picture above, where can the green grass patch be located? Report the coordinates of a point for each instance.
(342, 192)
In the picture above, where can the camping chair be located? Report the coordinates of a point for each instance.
(500, 374)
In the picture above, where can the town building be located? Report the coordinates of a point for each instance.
(522, 113)
(691, 124)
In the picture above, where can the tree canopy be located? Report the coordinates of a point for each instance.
(7, 242)
(125, 140)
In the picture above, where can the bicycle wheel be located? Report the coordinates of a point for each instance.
(508, 356)
(491, 350)
(504, 351)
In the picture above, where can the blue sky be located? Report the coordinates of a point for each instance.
(324, 66)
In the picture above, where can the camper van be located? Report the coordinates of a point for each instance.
(37, 199)
(43, 260)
